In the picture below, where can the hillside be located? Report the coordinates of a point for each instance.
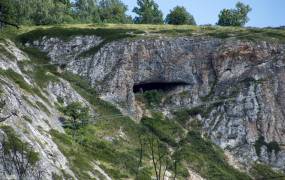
(164, 102)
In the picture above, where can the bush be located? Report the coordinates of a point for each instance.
(152, 98)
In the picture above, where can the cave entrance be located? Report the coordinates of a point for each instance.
(162, 86)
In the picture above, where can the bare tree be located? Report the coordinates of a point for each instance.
(160, 157)
(16, 156)
(141, 153)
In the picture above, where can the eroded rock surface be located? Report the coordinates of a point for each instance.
(240, 83)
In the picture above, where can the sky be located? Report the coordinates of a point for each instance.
(264, 12)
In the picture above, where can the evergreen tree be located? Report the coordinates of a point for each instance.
(179, 16)
(148, 12)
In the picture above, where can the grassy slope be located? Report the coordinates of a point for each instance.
(119, 157)
(268, 34)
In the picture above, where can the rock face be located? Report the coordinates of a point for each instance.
(241, 84)
(22, 112)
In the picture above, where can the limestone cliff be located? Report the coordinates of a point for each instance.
(246, 79)
(234, 88)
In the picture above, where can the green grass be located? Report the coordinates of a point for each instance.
(251, 34)
(43, 107)
(17, 78)
(41, 72)
(20, 81)
(207, 159)
(262, 171)
(166, 130)
(4, 52)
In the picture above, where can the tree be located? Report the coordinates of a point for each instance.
(179, 16)
(6, 14)
(86, 11)
(113, 11)
(148, 12)
(234, 17)
(78, 116)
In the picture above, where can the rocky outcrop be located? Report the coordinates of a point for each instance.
(239, 83)
(28, 119)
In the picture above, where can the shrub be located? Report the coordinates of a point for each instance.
(270, 146)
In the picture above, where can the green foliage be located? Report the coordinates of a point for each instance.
(66, 33)
(152, 98)
(270, 146)
(17, 78)
(41, 12)
(179, 16)
(63, 11)
(166, 130)
(78, 116)
(20, 81)
(206, 158)
(113, 11)
(5, 12)
(86, 11)
(43, 107)
(42, 71)
(262, 171)
(148, 12)
(14, 144)
(234, 17)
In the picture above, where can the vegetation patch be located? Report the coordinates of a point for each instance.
(262, 171)
(42, 71)
(20, 81)
(43, 107)
(166, 130)
(17, 78)
(207, 158)
(17, 155)
(108, 35)
(272, 146)
(151, 98)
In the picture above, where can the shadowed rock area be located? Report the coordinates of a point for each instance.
(163, 86)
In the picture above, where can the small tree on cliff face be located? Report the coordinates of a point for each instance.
(179, 16)
(234, 17)
(78, 116)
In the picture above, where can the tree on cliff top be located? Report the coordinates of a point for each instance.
(113, 11)
(179, 16)
(234, 17)
(148, 13)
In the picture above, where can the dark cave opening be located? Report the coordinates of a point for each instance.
(162, 86)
